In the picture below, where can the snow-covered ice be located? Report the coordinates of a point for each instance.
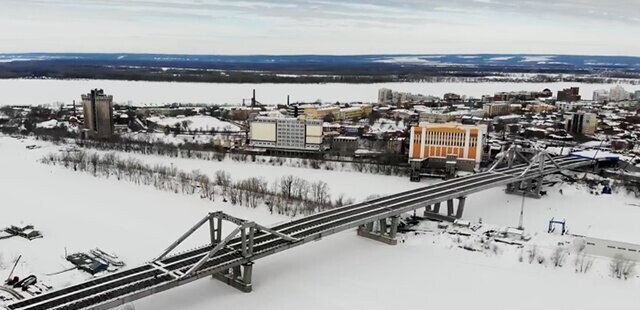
(35, 92)
(77, 211)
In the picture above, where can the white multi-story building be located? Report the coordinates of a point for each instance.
(618, 93)
(496, 109)
(286, 133)
(601, 95)
(385, 95)
(388, 96)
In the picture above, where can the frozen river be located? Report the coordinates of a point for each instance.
(34, 92)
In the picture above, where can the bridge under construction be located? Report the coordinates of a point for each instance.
(230, 257)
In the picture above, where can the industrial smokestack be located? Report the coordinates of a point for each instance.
(287, 99)
(253, 99)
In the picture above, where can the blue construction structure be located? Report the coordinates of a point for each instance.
(552, 224)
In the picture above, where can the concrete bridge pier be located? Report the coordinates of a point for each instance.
(530, 188)
(454, 211)
(387, 230)
(238, 277)
(431, 209)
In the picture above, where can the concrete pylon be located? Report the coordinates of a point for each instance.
(436, 207)
(428, 209)
(460, 209)
(450, 207)
(386, 233)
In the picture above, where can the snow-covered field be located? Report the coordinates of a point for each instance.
(351, 184)
(197, 122)
(78, 212)
(35, 92)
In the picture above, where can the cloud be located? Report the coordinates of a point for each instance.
(320, 26)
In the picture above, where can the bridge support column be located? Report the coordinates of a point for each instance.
(239, 277)
(382, 226)
(530, 188)
(386, 233)
(460, 208)
(393, 230)
(450, 207)
(453, 211)
(428, 209)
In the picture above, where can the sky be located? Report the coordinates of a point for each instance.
(586, 27)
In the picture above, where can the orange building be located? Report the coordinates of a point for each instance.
(440, 140)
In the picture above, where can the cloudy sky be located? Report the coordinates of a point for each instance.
(604, 27)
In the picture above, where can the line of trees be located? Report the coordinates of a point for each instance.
(218, 153)
(289, 195)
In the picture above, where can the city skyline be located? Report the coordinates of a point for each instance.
(321, 27)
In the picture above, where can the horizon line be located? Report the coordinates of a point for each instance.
(325, 55)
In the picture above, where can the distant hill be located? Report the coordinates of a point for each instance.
(307, 68)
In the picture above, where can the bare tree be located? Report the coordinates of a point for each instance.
(533, 252)
(223, 179)
(583, 263)
(185, 124)
(94, 158)
(205, 185)
(300, 189)
(558, 256)
(340, 201)
(320, 193)
(622, 267)
(286, 186)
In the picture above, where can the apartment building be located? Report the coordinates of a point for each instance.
(569, 94)
(496, 109)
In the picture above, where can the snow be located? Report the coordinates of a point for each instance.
(78, 212)
(385, 125)
(52, 123)
(172, 139)
(340, 182)
(595, 144)
(501, 58)
(35, 92)
(199, 122)
(596, 154)
(538, 59)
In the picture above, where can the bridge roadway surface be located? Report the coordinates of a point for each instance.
(118, 288)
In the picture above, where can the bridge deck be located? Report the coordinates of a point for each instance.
(128, 285)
